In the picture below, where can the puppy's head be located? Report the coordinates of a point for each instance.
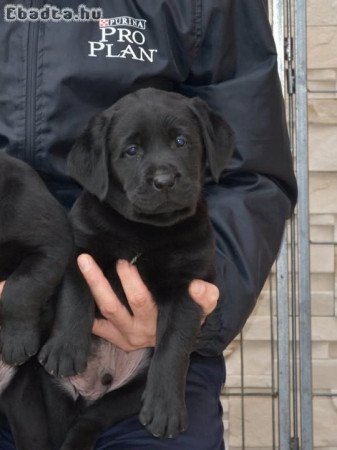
(145, 156)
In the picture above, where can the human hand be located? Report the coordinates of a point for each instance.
(118, 325)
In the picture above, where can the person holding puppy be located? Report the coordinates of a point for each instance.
(55, 74)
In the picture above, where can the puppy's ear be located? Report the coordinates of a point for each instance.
(87, 160)
(217, 135)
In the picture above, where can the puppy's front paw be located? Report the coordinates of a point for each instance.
(18, 343)
(63, 358)
(164, 415)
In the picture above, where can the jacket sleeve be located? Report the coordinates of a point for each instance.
(235, 71)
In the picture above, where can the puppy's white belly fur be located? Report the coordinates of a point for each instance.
(6, 374)
(108, 359)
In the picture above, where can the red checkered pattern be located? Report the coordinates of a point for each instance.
(104, 23)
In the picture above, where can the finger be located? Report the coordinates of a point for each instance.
(205, 294)
(2, 284)
(105, 298)
(138, 295)
(106, 330)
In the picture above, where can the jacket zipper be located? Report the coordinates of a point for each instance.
(32, 51)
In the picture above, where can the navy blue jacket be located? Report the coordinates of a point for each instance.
(55, 74)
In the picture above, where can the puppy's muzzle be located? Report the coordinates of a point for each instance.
(164, 190)
(163, 180)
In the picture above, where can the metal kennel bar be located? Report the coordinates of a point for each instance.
(290, 26)
(282, 267)
(302, 166)
(295, 397)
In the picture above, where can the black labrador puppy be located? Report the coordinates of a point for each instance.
(35, 247)
(142, 164)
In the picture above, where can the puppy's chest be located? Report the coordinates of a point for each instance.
(166, 257)
(157, 264)
(162, 261)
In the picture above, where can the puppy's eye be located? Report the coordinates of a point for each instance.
(132, 150)
(181, 141)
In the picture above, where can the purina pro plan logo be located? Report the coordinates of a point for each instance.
(122, 37)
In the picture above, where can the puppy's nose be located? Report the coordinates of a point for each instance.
(164, 180)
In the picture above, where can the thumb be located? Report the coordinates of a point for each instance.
(205, 294)
(2, 284)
